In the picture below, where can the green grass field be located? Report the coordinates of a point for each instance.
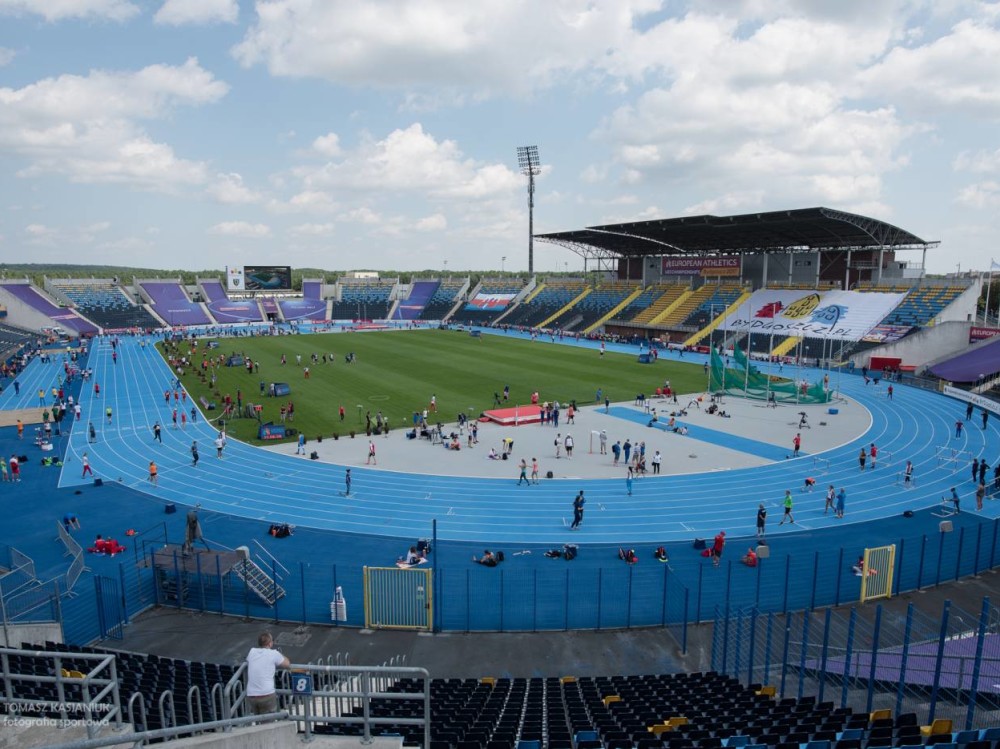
(397, 372)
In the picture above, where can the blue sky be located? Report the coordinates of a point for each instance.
(353, 134)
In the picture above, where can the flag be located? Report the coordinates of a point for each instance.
(994, 265)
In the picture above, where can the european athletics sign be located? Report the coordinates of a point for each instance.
(834, 314)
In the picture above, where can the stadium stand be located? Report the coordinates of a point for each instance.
(922, 305)
(444, 298)
(171, 303)
(105, 303)
(666, 296)
(597, 304)
(363, 299)
(421, 293)
(60, 317)
(226, 310)
(483, 307)
(13, 338)
(713, 306)
(687, 306)
(546, 302)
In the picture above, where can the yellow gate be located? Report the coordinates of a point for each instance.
(876, 577)
(398, 598)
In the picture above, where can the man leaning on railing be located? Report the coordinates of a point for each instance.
(261, 664)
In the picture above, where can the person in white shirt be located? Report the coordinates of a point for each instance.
(262, 661)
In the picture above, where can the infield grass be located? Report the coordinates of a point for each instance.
(397, 372)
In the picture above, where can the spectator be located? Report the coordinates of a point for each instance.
(262, 661)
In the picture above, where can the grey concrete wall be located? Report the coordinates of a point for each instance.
(922, 347)
(21, 635)
(19, 313)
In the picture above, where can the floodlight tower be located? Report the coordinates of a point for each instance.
(527, 160)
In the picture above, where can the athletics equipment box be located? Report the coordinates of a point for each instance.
(281, 389)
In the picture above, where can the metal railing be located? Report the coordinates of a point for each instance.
(871, 658)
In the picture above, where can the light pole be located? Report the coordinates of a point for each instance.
(527, 160)
(502, 261)
(446, 267)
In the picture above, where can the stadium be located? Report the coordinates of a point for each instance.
(731, 486)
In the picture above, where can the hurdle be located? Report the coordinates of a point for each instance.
(821, 465)
(958, 458)
(901, 480)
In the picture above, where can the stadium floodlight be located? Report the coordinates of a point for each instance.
(527, 160)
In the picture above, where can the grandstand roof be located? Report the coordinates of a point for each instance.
(802, 229)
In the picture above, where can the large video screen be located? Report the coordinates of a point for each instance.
(267, 277)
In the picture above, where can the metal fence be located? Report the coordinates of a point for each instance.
(944, 666)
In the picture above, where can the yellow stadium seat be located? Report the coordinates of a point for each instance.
(939, 726)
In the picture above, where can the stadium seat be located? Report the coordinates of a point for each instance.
(938, 727)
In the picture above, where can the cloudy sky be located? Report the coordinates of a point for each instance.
(356, 134)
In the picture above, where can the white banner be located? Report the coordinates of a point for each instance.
(837, 315)
(234, 278)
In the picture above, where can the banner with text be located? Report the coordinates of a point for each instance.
(490, 301)
(234, 276)
(834, 314)
(701, 266)
(977, 334)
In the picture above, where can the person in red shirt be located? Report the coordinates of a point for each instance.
(717, 547)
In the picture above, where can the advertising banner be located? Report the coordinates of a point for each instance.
(886, 333)
(834, 314)
(490, 301)
(981, 334)
(234, 278)
(701, 266)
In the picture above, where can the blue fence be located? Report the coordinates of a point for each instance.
(944, 666)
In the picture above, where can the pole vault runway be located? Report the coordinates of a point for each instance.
(713, 479)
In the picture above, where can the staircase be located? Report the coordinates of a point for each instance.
(693, 340)
(258, 581)
(565, 308)
(786, 345)
(661, 304)
(624, 303)
(678, 312)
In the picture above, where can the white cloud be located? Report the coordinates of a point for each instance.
(42, 235)
(243, 229)
(87, 127)
(981, 195)
(361, 215)
(312, 230)
(957, 71)
(328, 145)
(6, 56)
(437, 222)
(487, 46)
(306, 201)
(197, 12)
(977, 161)
(229, 189)
(411, 160)
(59, 10)
(733, 202)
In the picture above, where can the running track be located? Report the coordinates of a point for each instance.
(262, 485)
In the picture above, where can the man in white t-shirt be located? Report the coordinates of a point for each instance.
(261, 664)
